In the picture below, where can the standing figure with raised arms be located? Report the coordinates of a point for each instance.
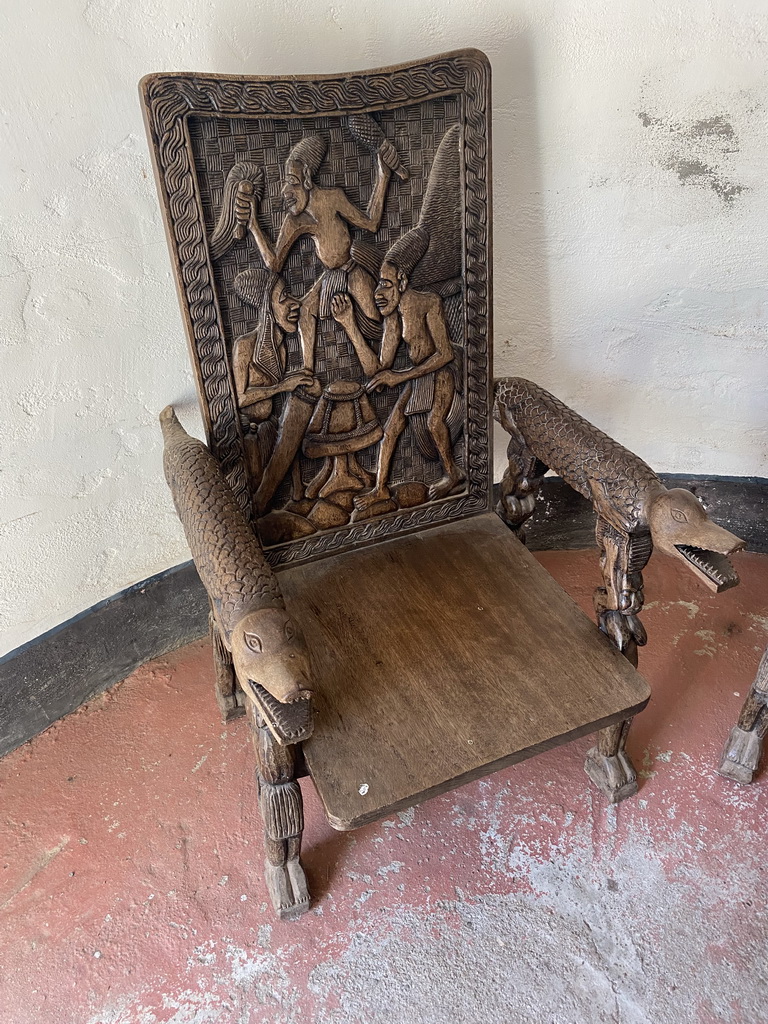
(326, 215)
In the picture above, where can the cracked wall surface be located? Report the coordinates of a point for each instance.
(630, 244)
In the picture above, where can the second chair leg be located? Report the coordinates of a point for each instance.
(741, 755)
(282, 810)
(608, 764)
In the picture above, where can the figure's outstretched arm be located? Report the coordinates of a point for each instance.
(371, 219)
(274, 258)
(344, 314)
(289, 383)
(390, 342)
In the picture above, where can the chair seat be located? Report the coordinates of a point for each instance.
(440, 657)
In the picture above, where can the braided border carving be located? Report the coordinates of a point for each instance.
(169, 100)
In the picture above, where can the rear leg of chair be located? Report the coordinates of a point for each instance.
(226, 690)
(608, 764)
(519, 486)
(282, 810)
(741, 754)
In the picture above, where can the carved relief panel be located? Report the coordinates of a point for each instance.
(331, 243)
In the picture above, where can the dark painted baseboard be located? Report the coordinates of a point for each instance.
(67, 666)
(62, 669)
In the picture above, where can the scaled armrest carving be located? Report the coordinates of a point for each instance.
(635, 512)
(268, 652)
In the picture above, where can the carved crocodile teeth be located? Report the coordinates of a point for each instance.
(288, 722)
(712, 564)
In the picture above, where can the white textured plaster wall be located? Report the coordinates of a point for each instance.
(631, 243)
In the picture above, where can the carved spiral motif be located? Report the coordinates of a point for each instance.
(170, 99)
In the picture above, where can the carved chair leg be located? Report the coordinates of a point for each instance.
(282, 810)
(608, 764)
(742, 751)
(617, 604)
(228, 696)
(619, 601)
(519, 486)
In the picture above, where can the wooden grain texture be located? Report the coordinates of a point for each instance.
(441, 657)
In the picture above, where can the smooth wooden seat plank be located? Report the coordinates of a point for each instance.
(443, 656)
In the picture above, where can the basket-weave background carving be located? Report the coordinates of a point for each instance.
(187, 113)
(218, 143)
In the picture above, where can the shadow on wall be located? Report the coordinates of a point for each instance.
(523, 334)
(522, 326)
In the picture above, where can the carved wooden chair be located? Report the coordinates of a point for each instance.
(385, 630)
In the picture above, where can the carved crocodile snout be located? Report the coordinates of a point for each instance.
(269, 649)
(680, 527)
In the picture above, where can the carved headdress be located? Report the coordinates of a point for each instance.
(442, 215)
(430, 253)
(227, 229)
(409, 248)
(255, 287)
(309, 151)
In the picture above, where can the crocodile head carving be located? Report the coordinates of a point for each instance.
(680, 527)
(273, 668)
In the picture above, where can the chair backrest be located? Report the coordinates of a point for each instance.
(330, 237)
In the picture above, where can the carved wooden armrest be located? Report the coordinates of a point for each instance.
(635, 512)
(254, 637)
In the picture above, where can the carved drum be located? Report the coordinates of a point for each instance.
(344, 421)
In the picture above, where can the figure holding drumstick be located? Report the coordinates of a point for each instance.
(326, 215)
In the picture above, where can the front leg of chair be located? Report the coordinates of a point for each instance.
(282, 810)
(617, 604)
(619, 601)
(608, 764)
(742, 752)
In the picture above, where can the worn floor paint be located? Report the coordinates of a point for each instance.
(131, 888)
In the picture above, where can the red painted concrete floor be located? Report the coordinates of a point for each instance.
(132, 892)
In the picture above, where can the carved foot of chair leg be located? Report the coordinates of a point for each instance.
(741, 755)
(287, 887)
(609, 766)
(281, 808)
(614, 775)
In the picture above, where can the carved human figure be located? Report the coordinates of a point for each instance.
(428, 384)
(300, 406)
(259, 361)
(326, 215)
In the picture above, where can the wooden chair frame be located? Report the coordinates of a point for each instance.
(249, 510)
